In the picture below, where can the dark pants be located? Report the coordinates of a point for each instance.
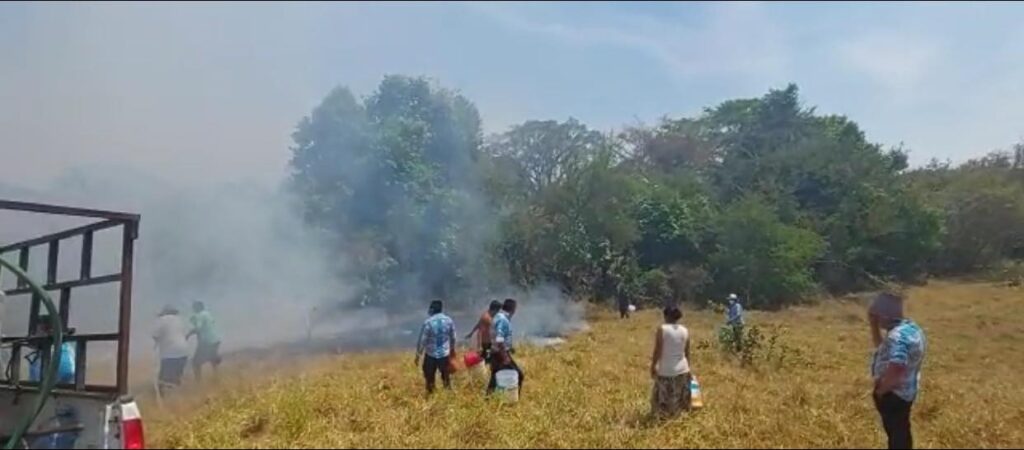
(496, 366)
(171, 370)
(895, 414)
(205, 353)
(430, 368)
(737, 336)
(485, 352)
(623, 310)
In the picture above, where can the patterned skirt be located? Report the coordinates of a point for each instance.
(671, 395)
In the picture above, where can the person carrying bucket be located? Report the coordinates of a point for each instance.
(437, 343)
(483, 330)
(501, 360)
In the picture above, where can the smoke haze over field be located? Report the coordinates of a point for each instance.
(242, 248)
(238, 247)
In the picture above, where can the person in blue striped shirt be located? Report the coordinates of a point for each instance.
(503, 347)
(437, 343)
(896, 366)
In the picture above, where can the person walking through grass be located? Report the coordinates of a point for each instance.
(503, 347)
(204, 327)
(734, 320)
(437, 344)
(896, 366)
(670, 366)
(169, 334)
(483, 330)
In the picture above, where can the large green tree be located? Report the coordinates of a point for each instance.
(394, 177)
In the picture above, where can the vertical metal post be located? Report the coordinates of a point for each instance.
(80, 365)
(33, 314)
(65, 306)
(23, 263)
(51, 262)
(86, 267)
(125, 318)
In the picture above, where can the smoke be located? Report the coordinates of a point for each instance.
(244, 250)
(238, 247)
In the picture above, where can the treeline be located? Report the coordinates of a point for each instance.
(759, 196)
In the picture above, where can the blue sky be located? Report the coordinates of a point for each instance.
(203, 91)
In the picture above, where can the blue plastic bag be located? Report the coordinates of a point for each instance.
(66, 370)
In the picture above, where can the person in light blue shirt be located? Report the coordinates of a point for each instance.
(437, 342)
(896, 366)
(503, 345)
(734, 320)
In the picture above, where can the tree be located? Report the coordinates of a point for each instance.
(398, 174)
(758, 255)
(547, 151)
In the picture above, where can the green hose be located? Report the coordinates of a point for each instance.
(49, 377)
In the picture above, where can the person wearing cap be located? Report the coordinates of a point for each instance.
(896, 366)
(169, 334)
(437, 343)
(734, 320)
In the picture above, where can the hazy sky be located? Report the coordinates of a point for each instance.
(204, 91)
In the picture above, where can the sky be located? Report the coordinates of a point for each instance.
(204, 92)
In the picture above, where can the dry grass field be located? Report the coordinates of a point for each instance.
(593, 391)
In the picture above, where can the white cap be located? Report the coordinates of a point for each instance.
(733, 297)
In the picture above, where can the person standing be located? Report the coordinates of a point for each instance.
(483, 330)
(170, 335)
(437, 342)
(503, 345)
(204, 327)
(670, 366)
(896, 366)
(623, 304)
(734, 320)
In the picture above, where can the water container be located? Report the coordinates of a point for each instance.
(508, 384)
(696, 399)
(471, 359)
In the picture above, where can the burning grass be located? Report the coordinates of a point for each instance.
(593, 390)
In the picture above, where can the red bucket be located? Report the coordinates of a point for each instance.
(471, 359)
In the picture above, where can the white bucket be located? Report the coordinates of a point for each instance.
(508, 384)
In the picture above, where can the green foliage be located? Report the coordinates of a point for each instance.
(392, 171)
(760, 196)
(754, 347)
(982, 211)
(769, 261)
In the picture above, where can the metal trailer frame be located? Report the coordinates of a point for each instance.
(129, 224)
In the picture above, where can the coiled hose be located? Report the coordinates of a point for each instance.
(49, 376)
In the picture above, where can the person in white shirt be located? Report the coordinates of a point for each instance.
(670, 366)
(172, 346)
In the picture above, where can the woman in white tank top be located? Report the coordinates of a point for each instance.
(670, 366)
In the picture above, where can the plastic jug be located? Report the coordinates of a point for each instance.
(696, 399)
(508, 384)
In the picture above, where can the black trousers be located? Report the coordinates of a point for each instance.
(895, 414)
(497, 366)
(430, 368)
(485, 352)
